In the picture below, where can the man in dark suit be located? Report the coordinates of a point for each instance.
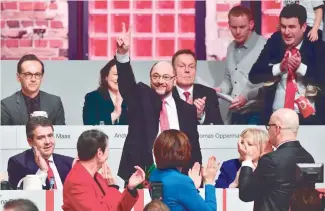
(204, 98)
(17, 108)
(151, 110)
(40, 159)
(292, 68)
(273, 182)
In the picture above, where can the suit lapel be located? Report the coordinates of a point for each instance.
(180, 113)
(31, 162)
(175, 93)
(60, 167)
(44, 103)
(21, 107)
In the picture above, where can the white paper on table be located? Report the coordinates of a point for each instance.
(225, 97)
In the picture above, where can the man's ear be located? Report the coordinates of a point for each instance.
(251, 25)
(30, 142)
(18, 77)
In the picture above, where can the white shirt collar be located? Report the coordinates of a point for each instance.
(181, 91)
(299, 46)
(51, 159)
(168, 99)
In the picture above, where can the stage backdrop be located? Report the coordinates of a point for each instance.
(71, 80)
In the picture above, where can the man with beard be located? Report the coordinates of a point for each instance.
(40, 159)
(151, 110)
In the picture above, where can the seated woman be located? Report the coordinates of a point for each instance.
(87, 190)
(172, 151)
(259, 141)
(105, 105)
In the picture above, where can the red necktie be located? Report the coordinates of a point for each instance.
(291, 87)
(50, 174)
(164, 124)
(187, 96)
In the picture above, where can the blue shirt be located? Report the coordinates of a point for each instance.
(180, 194)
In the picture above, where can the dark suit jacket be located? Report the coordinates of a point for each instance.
(228, 172)
(312, 55)
(144, 106)
(81, 192)
(14, 110)
(23, 164)
(212, 110)
(272, 183)
(98, 107)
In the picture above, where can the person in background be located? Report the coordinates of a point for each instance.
(105, 105)
(242, 53)
(86, 189)
(315, 22)
(156, 205)
(273, 182)
(204, 98)
(40, 159)
(292, 70)
(17, 108)
(172, 152)
(258, 141)
(19, 205)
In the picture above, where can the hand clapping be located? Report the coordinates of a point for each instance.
(195, 174)
(137, 178)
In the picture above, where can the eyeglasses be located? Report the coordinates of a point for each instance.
(269, 125)
(164, 77)
(30, 75)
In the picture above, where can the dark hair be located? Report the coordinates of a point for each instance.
(180, 52)
(103, 86)
(20, 205)
(89, 142)
(156, 205)
(237, 11)
(28, 57)
(172, 149)
(35, 122)
(294, 11)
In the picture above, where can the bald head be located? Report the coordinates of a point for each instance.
(286, 119)
(162, 66)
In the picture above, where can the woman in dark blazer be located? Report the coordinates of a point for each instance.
(105, 105)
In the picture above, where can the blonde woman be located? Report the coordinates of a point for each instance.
(255, 138)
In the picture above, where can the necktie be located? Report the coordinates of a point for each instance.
(187, 96)
(291, 87)
(50, 174)
(164, 124)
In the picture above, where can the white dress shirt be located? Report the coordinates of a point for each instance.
(182, 96)
(57, 178)
(171, 113)
(281, 88)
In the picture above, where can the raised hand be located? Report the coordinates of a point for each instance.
(39, 160)
(195, 174)
(118, 103)
(123, 40)
(210, 171)
(136, 178)
(107, 174)
(294, 61)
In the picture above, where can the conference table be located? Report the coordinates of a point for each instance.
(220, 141)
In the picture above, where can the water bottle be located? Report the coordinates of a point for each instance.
(52, 183)
(101, 123)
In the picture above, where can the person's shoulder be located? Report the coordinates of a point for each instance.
(10, 99)
(230, 163)
(49, 96)
(20, 157)
(64, 158)
(204, 88)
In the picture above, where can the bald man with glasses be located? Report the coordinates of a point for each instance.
(273, 182)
